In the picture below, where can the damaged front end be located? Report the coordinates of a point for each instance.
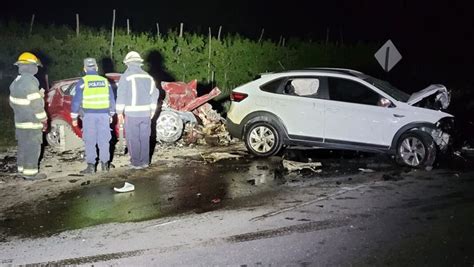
(435, 96)
(441, 133)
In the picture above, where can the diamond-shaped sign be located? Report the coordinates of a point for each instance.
(388, 56)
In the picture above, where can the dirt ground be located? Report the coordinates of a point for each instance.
(63, 170)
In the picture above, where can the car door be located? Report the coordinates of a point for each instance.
(297, 102)
(353, 114)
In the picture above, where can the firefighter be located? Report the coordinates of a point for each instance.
(95, 97)
(30, 118)
(137, 98)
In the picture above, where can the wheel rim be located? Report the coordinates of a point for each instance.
(412, 151)
(262, 139)
(168, 126)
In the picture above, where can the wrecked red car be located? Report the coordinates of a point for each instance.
(181, 106)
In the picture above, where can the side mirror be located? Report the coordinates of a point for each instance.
(384, 102)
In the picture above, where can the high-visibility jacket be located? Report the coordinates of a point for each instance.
(137, 95)
(27, 102)
(93, 95)
(96, 92)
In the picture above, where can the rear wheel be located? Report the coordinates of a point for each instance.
(263, 139)
(416, 149)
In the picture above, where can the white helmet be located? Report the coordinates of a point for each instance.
(132, 56)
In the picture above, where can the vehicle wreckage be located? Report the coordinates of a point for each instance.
(183, 116)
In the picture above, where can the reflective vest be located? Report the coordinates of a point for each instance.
(96, 92)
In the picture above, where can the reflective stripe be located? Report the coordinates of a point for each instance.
(134, 93)
(30, 172)
(152, 86)
(153, 106)
(138, 108)
(132, 78)
(28, 125)
(33, 96)
(20, 168)
(41, 115)
(106, 96)
(74, 115)
(20, 101)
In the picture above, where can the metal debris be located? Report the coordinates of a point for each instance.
(297, 166)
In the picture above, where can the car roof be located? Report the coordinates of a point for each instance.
(342, 71)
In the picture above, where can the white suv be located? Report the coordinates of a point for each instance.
(339, 109)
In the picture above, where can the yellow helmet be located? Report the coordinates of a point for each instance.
(28, 58)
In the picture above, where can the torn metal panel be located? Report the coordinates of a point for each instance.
(443, 97)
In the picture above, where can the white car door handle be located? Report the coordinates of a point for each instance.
(398, 116)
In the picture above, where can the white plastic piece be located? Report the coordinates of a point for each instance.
(127, 187)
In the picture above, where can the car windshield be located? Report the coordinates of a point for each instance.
(388, 88)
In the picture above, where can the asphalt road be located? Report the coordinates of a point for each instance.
(414, 218)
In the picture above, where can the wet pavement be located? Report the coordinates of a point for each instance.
(191, 187)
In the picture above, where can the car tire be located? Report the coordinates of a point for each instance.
(169, 127)
(61, 137)
(416, 149)
(262, 139)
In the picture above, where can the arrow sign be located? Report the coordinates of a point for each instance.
(388, 56)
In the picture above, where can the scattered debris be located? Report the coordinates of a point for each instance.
(216, 201)
(127, 187)
(366, 170)
(296, 166)
(86, 183)
(216, 156)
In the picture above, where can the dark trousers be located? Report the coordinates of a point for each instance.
(29, 149)
(137, 133)
(96, 131)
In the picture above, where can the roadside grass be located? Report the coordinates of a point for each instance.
(7, 130)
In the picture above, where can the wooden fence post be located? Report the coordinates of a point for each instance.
(209, 61)
(261, 36)
(77, 25)
(113, 34)
(219, 34)
(181, 25)
(31, 24)
(128, 27)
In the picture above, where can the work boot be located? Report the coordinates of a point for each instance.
(104, 166)
(89, 170)
(37, 176)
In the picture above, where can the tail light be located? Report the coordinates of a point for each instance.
(237, 97)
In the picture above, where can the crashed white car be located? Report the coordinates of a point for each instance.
(340, 109)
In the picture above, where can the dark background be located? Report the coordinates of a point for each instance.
(434, 38)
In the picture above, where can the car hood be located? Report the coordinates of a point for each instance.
(443, 96)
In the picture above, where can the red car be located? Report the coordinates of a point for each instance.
(182, 107)
(62, 135)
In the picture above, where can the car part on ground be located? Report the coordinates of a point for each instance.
(340, 109)
(61, 136)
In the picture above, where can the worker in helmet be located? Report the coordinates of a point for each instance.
(96, 98)
(30, 118)
(137, 99)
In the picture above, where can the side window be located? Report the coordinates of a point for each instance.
(71, 89)
(272, 86)
(352, 92)
(307, 87)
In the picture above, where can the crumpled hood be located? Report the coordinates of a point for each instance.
(442, 95)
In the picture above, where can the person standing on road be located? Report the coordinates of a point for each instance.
(30, 118)
(137, 99)
(96, 98)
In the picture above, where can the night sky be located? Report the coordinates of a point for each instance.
(436, 34)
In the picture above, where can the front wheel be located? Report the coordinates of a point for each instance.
(169, 127)
(416, 149)
(263, 139)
